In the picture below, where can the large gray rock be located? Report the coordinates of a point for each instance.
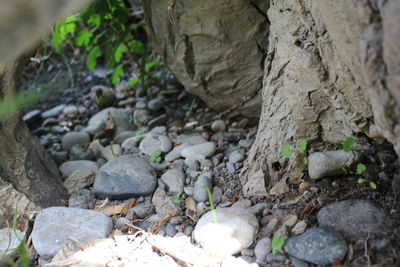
(67, 168)
(55, 226)
(75, 138)
(125, 177)
(236, 229)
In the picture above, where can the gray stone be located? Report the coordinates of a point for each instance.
(299, 263)
(119, 117)
(235, 230)
(111, 152)
(67, 168)
(262, 248)
(142, 211)
(152, 143)
(175, 153)
(53, 112)
(199, 193)
(75, 138)
(132, 142)
(243, 203)
(317, 245)
(174, 180)
(329, 163)
(102, 96)
(79, 180)
(31, 116)
(299, 228)
(205, 149)
(96, 147)
(80, 199)
(258, 208)
(192, 139)
(193, 161)
(77, 152)
(95, 127)
(70, 111)
(230, 168)
(125, 177)
(355, 219)
(217, 195)
(236, 157)
(9, 241)
(141, 115)
(55, 226)
(121, 137)
(275, 258)
(246, 143)
(163, 203)
(218, 126)
(170, 230)
(155, 104)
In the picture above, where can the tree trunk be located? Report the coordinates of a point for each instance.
(29, 179)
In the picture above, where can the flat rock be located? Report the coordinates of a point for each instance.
(125, 177)
(317, 245)
(119, 116)
(236, 230)
(162, 203)
(53, 112)
(75, 138)
(174, 179)
(354, 219)
(152, 143)
(192, 139)
(55, 226)
(175, 153)
(205, 149)
(67, 168)
(79, 180)
(329, 163)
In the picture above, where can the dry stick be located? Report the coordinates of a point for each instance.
(162, 221)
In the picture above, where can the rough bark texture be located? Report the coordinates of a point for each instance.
(215, 48)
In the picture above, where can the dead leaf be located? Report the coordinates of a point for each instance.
(190, 204)
(118, 209)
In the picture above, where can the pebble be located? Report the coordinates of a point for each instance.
(141, 116)
(317, 245)
(217, 195)
(236, 157)
(121, 137)
(119, 116)
(77, 152)
(67, 168)
(132, 142)
(193, 161)
(236, 230)
(299, 263)
(32, 117)
(9, 241)
(230, 167)
(175, 153)
(258, 208)
(131, 177)
(192, 139)
(247, 252)
(79, 180)
(152, 143)
(121, 223)
(290, 220)
(243, 203)
(205, 149)
(262, 248)
(218, 126)
(53, 112)
(54, 227)
(275, 258)
(188, 230)
(303, 186)
(75, 138)
(170, 230)
(163, 203)
(281, 231)
(355, 219)
(199, 193)
(112, 151)
(246, 143)
(299, 228)
(141, 211)
(174, 179)
(155, 104)
(80, 199)
(70, 111)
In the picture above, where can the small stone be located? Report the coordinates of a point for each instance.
(79, 180)
(218, 126)
(119, 117)
(243, 203)
(230, 167)
(188, 190)
(132, 142)
(188, 230)
(217, 195)
(206, 164)
(174, 180)
(247, 252)
(141, 116)
(55, 226)
(275, 257)
(170, 230)
(279, 188)
(9, 242)
(245, 143)
(236, 157)
(299, 228)
(67, 168)
(317, 245)
(80, 199)
(199, 193)
(71, 111)
(258, 208)
(54, 112)
(193, 161)
(262, 248)
(290, 220)
(32, 117)
(141, 211)
(121, 223)
(192, 139)
(281, 231)
(121, 137)
(200, 207)
(152, 143)
(205, 149)
(299, 263)
(175, 153)
(111, 152)
(155, 104)
(162, 203)
(77, 152)
(75, 138)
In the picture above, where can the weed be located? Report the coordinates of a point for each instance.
(140, 132)
(287, 151)
(189, 109)
(210, 199)
(347, 144)
(238, 147)
(112, 151)
(176, 199)
(277, 243)
(156, 156)
(361, 168)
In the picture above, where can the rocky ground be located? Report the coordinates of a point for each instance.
(137, 167)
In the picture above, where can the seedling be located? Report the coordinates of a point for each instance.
(360, 170)
(210, 199)
(287, 151)
(140, 132)
(347, 145)
(277, 243)
(189, 110)
(156, 156)
(176, 199)
(238, 147)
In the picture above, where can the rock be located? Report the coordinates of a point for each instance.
(9, 242)
(318, 245)
(192, 139)
(55, 226)
(175, 153)
(142, 211)
(70, 111)
(155, 104)
(281, 231)
(218, 126)
(159, 120)
(246, 143)
(141, 116)
(299, 263)
(111, 152)
(199, 193)
(279, 188)
(262, 248)
(329, 163)
(80, 199)
(275, 258)
(217, 195)
(79, 180)
(95, 127)
(162, 203)
(303, 186)
(119, 117)
(235, 230)
(32, 117)
(59, 156)
(125, 177)
(290, 220)
(170, 230)
(236, 157)
(174, 179)
(102, 96)
(77, 152)
(96, 147)
(230, 168)
(299, 228)
(193, 161)
(67, 168)
(188, 230)
(121, 137)
(205, 149)
(355, 219)
(243, 203)
(53, 112)
(152, 143)
(132, 142)
(75, 138)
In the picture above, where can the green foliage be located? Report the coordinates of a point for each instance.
(360, 168)
(156, 156)
(301, 145)
(287, 151)
(189, 109)
(277, 243)
(210, 199)
(176, 199)
(347, 144)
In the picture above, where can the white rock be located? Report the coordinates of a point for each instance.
(218, 126)
(53, 112)
(236, 230)
(132, 142)
(192, 139)
(71, 111)
(152, 143)
(205, 149)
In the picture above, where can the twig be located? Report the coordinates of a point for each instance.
(162, 221)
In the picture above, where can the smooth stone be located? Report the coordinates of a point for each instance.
(175, 153)
(132, 142)
(174, 179)
(170, 230)
(9, 241)
(205, 149)
(55, 226)
(80, 199)
(102, 96)
(330, 163)
(299, 228)
(142, 211)
(155, 104)
(125, 177)
(299, 263)
(67, 168)
(199, 193)
(275, 257)
(70, 111)
(74, 138)
(243, 203)
(355, 219)
(246, 143)
(230, 168)
(77, 152)
(290, 220)
(121, 137)
(152, 143)
(32, 116)
(119, 116)
(53, 112)
(217, 195)
(193, 161)
(317, 245)
(236, 230)
(95, 127)
(262, 248)
(162, 203)
(236, 157)
(159, 130)
(141, 116)
(79, 180)
(258, 208)
(157, 121)
(59, 156)
(218, 126)
(112, 151)
(192, 139)
(96, 147)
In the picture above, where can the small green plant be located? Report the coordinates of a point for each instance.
(287, 151)
(176, 199)
(238, 147)
(140, 132)
(277, 243)
(210, 199)
(156, 156)
(112, 151)
(189, 109)
(347, 144)
(361, 168)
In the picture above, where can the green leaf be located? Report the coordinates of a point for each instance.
(94, 20)
(305, 161)
(302, 145)
(156, 156)
(210, 199)
(133, 81)
(277, 243)
(360, 168)
(83, 38)
(148, 66)
(176, 199)
(91, 58)
(286, 151)
(348, 144)
(119, 52)
(360, 180)
(118, 72)
(373, 185)
(136, 46)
